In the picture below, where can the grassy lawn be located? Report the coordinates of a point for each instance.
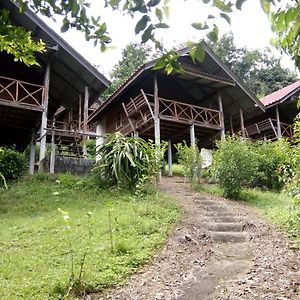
(275, 207)
(113, 232)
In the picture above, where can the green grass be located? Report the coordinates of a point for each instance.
(37, 244)
(176, 168)
(278, 208)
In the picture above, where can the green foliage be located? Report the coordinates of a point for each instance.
(124, 161)
(133, 56)
(233, 165)
(17, 41)
(38, 245)
(258, 69)
(190, 159)
(12, 163)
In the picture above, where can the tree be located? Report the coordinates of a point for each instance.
(284, 19)
(258, 69)
(133, 56)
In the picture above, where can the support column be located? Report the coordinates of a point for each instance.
(85, 119)
(279, 134)
(79, 113)
(43, 131)
(192, 135)
(221, 116)
(170, 161)
(231, 124)
(242, 123)
(52, 154)
(157, 124)
(101, 132)
(32, 153)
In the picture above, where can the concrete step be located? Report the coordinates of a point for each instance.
(224, 227)
(214, 208)
(229, 237)
(224, 219)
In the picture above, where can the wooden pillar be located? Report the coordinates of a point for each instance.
(85, 119)
(192, 135)
(157, 124)
(221, 115)
(242, 123)
(52, 153)
(79, 113)
(279, 134)
(32, 153)
(43, 131)
(170, 162)
(100, 140)
(231, 124)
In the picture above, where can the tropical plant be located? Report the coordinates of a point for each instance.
(190, 159)
(233, 165)
(124, 161)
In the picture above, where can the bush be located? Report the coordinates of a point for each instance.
(233, 165)
(12, 163)
(124, 161)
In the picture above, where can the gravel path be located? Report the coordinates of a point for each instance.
(220, 250)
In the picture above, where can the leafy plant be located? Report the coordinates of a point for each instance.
(124, 161)
(233, 165)
(190, 159)
(12, 163)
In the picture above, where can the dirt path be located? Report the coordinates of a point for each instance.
(220, 250)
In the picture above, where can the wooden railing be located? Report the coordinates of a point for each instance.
(183, 112)
(21, 92)
(267, 125)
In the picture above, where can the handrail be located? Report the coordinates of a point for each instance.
(21, 92)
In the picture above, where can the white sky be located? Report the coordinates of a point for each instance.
(250, 28)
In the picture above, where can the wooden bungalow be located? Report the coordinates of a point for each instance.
(281, 110)
(49, 103)
(199, 105)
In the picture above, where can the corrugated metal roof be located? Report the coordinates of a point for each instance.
(281, 95)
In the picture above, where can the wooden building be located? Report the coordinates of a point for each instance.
(277, 121)
(199, 105)
(49, 103)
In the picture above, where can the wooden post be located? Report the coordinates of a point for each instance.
(221, 116)
(85, 119)
(192, 135)
(157, 124)
(32, 153)
(279, 134)
(101, 131)
(79, 113)
(242, 123)
(170, 157)
(231, 124)
(43, 131)
(52, 154)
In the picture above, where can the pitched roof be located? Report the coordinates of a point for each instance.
(281, 95)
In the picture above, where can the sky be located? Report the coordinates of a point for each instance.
(250, 28)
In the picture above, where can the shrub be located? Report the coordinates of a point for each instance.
(12, 163)
(233, 165)
(190, 159)
(124, 161)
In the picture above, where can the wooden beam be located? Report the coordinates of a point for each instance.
(157, 124)
(242, 123)
(19, 105)
(231, 124)
(52, 153)
(149, 106)
(279, 134)
(192, 135)
(221, 115)
(129, 119)
(85, 119)
(32, 153)
(43, 132)
(170, 162)
(79, 112)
